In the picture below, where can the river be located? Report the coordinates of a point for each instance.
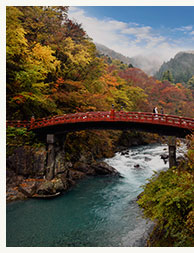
(98, 211)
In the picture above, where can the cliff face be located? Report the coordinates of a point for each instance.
(27, 173)
(27, 161)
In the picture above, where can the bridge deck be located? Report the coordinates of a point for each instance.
(143, 119)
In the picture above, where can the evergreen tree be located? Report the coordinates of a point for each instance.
(167, 76)
(130, 65)
(190, 83)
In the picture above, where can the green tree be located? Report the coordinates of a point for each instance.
(190, 83)
(167, 76)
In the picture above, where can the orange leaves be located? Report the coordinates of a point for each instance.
(53, 90)
(77, 84)
(161, 102)
(158, 82)
(179, 85)
(23, 185)
(34, 180)
(59, 81)
(19, 99)
(110, 80)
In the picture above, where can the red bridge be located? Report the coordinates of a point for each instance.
(117, 120)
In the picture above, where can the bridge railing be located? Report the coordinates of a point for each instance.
(155, 118)
(18, 123)
(144, 117)
(72, 118)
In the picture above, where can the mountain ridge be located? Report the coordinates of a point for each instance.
(181, 67)
(148, 64)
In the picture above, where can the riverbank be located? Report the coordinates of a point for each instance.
(167, 200)
(27, 173)
(99, 211)
(21, 188)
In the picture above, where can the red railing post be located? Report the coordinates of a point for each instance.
(166, 118)
(152, 117)
(112, 114)
(180, 121)
(32, 122)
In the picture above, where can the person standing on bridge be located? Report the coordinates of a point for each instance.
(156, 112)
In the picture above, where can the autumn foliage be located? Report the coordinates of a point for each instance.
(53, 68)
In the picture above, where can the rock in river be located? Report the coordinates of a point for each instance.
(102, 168)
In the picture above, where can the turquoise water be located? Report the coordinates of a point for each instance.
(99, 211)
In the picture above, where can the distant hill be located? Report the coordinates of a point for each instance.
(111, 53)
(147, 64)
(181, 67)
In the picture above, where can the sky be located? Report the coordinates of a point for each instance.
(158, 32)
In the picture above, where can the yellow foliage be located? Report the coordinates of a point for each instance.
(16, 42)
(42, 57)
(78, 54)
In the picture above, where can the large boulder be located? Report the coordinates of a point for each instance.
(58, 184)
(46, 188)
(102, 168)
(52, 187)
(84, 168)
(66, 181)
(76, 174)
(95, 168)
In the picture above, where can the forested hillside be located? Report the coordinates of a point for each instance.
(53, 68)
(103, 50)
(148, 64)
(181, 68)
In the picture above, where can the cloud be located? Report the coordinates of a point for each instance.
(129, 39)
(184, 28)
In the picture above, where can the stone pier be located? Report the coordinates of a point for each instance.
(55, 161)
(50, 156)
(172, 151)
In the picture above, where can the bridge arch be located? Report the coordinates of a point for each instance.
(162, 124)
(56, 127)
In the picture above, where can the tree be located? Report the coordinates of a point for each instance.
(130, 65)
(16, 46)
(167, 75)
(190, 83)
(28, 65)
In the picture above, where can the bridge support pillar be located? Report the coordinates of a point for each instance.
(172, 151)
(50, 156)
